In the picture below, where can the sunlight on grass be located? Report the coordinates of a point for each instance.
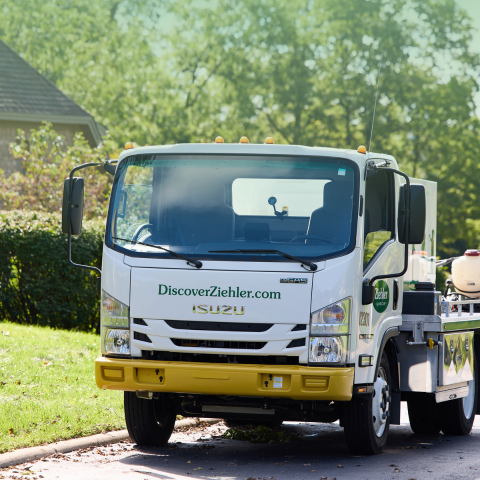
(47, 387)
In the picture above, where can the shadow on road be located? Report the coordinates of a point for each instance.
(321, 453)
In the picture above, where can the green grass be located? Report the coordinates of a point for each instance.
(47, 387)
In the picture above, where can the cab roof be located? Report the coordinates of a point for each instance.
(254, 149)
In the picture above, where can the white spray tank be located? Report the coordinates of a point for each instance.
(466, 274)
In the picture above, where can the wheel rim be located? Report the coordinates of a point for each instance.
(469, 400)
(381, 403)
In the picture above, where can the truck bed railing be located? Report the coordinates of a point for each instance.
(447, 310)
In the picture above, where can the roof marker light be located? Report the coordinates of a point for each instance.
(244, 140)
(219, 140)
(128, 145)
(362, 149)
(269, 140)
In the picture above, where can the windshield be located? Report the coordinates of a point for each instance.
(200, 205)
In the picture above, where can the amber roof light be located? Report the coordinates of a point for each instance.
(243, 140)
(128, 145)
(362, 149)
(269, 140)
(219, 140)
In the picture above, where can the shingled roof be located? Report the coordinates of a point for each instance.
(27, 95)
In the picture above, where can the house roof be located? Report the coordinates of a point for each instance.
(25, 94)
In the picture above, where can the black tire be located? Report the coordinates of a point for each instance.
(233, 423)
(149, 422)
(454, 419)
(365, 433)
(423, 414)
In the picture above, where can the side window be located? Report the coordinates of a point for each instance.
(379, 214)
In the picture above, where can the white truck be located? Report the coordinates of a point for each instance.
(263, 283)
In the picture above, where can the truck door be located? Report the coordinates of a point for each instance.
(382, 254)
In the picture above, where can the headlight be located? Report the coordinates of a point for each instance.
(115, 326)
(328, 349)
(114, 312)
(332, 319)
(117, 341)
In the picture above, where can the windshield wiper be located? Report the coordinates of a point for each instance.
(190, 261)
(312, 266)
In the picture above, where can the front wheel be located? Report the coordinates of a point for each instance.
(149, 422)
(367, 418)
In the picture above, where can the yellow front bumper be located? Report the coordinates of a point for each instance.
(280, 381)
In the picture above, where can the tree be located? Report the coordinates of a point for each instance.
(45, 164)
(306, 72)
(105, 64)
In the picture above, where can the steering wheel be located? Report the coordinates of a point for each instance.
(310, 237)
(139, 230)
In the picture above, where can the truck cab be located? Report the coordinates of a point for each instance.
(260, 283)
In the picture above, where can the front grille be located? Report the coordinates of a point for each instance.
(298, 328)
(142, 337)
(140, 321)
(299, 342)
(218, 358)
(179, 342)
(219, 326)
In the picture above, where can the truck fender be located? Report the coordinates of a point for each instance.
(391, 350)
(389, 346)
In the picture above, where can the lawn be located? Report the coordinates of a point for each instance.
(47, 387)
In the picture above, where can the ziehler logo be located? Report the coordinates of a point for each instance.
(381, 294)
(214, 291)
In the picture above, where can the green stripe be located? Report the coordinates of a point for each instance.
(460, 325)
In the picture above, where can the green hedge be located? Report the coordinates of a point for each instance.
(37, 284)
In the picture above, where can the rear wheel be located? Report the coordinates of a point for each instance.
(457, 416)
(149, 422)
(423, 414)
(367, 418)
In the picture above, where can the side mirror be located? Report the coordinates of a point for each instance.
(76, 215)
(368, 292)
(417, 214)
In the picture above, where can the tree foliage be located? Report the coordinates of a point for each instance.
(304, 72)
(45, 164)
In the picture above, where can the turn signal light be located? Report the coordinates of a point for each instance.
(219, 140)
(362, 149)
(269, 140)
(365, 361)
(128, 145)
(244, 140)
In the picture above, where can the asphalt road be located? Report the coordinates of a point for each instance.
(202, 453)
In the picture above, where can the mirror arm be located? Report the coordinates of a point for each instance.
(368, 284)
(69, 241)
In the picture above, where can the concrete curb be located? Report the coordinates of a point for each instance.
(30, 454)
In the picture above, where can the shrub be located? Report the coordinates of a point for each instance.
(37, 284)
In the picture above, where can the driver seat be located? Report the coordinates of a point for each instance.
(204, 217)
(333, 221)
